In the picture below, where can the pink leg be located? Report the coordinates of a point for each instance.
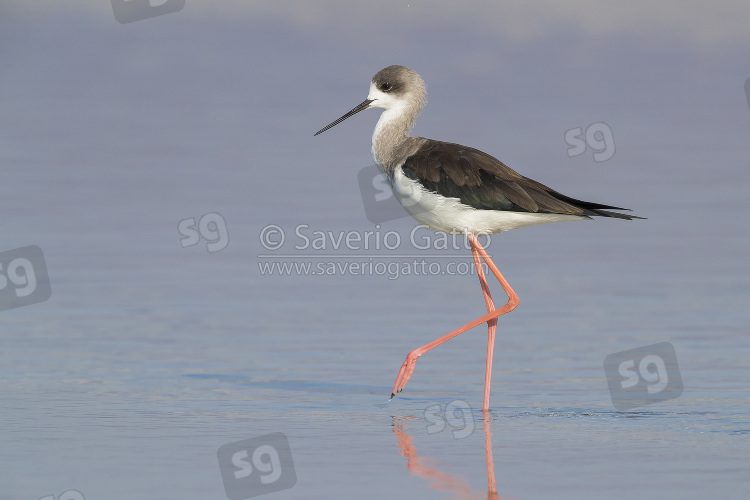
(407, 369)
(491, 327)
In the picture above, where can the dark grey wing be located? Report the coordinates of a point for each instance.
(484, 182)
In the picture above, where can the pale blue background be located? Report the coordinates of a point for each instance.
(148, 356)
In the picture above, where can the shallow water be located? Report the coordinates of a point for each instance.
(149, 357)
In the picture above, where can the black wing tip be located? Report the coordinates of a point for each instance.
(615, 215)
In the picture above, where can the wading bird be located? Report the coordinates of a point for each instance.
(459, 190)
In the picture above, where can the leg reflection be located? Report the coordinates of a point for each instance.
(491, 483)
(427, 467)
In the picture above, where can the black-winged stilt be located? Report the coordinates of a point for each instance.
(457, 189)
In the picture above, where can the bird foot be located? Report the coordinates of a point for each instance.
(405, 373)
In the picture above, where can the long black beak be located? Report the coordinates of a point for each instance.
(362, 106)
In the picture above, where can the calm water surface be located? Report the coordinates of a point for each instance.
(149, 356)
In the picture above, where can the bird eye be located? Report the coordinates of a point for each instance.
(385, 87)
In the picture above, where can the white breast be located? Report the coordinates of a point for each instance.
(451, 216)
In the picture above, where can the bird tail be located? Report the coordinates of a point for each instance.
(608, 213)
(595, 209)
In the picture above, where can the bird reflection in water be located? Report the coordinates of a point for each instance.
(427, 467)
